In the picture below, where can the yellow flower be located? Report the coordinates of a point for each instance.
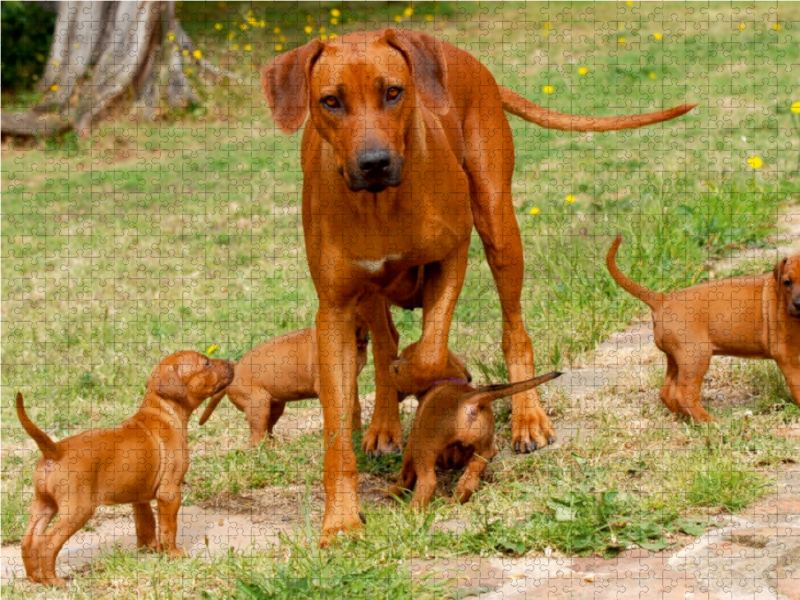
(652, 75)
(777, 27)
(336, 12)
(218, 26)
(334, 22)
(308, 29)
(282, 38)
(56, 63)
(742, 26)
(248, 47)
(323, 37)
(54, 87)
(197, 54)
(231, 35)
(398, 19)
(189, 71)
(262, 24)
(171, 37)
(408, 12)
(332, 36)
(534, 211)
(548, 89)
(755, 162)
(548, 25)
(278, 47)
(570, 198)
(583, 71)
(211, 349)
(243, 26)
(629, 3)
(795, 108)
(235, 47)
(621, 40)
(322, 29)
(276, 30)
(186, 53)
(657, 36)
(429, 18)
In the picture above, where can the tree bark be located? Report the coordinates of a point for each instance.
(110, 54)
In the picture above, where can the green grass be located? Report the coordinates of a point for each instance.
(141, 241)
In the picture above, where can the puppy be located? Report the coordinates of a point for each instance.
(278, 371)
(757, 316)
(453, 428)
(142, 459)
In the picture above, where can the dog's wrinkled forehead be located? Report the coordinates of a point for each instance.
(355, 67)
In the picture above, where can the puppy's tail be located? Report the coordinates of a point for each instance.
(649, 297)
(46, 445)
(486, 394)
(525, 109)
(212, 405)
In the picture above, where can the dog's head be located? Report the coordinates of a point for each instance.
(361, 91)
(787, 275)
(188, 378)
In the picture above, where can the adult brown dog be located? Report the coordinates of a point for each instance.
(454, 428)
(142, 459)
(757, 316)
(407, 146)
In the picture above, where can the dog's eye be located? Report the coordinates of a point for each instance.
(331, 102)
(393, 94)
(788, 283)
(208, 364)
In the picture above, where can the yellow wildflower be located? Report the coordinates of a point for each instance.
(235, 47)
(243, 26)
(548, 89)
(336, 12)
(322, 29)
(334, 22)
(323, 37)
(429, 18)
(308, 29)
(795, 108)
(583, 71)
(282, 38)
(408, 12)
(186, 53)
(742, 26)
(755, 162)
(548, 25)
(621, 40)
(248, 47)
(652, 75)
(657, 36)
(570, 198)
(278, 47)
(189, 71)
(332, 36)
(171, 37)
(54, 87)
(276, 30)
(197, 54)
(211, 349)
(398, 19)
(534, 211)
(218, 26)
(777, 27)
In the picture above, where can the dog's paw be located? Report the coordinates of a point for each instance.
(335, 527)
(175, 553)
(380, 441)
(531, 431)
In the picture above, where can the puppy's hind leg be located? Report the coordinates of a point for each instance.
(70, 519)
(145, 526)
(41, 513)
(669, 392)
(691, 371)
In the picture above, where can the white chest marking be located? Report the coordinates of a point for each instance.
(373, 266)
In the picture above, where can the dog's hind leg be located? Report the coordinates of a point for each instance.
(691, 371)
(41, 513)
(669, 392)
(68, 524)
(145, 526)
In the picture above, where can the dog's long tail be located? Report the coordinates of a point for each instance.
(649, 297)
(525, 109)
(212, 405)
(486, 394)
(46, 445)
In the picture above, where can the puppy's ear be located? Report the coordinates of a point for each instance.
(777, 272)
(285, 82)
(167, 382)
(486, 394)
(425, 56)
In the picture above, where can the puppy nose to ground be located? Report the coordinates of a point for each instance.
(374, 162)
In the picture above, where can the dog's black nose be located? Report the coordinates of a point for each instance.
(375, 162)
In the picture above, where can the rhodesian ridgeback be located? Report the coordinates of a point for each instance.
(407, 146)
(142, 459)
(756, 316)
(454, 428)
(280, 370)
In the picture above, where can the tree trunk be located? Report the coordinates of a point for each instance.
(112, 54)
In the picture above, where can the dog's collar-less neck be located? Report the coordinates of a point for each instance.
(453, 380)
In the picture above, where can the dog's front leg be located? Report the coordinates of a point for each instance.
(169, 503)
(790, 367)
(338, 366)
(385, 434)
(428, 359)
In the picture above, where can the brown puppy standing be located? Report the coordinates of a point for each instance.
(407, 146)
(142, 459)
(756, 316)
(453, 428)
(281, 370)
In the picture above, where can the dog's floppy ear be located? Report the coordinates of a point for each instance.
(166, 381)
(486, 394)
(777, 272)
(425, 55)
(285, 83)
